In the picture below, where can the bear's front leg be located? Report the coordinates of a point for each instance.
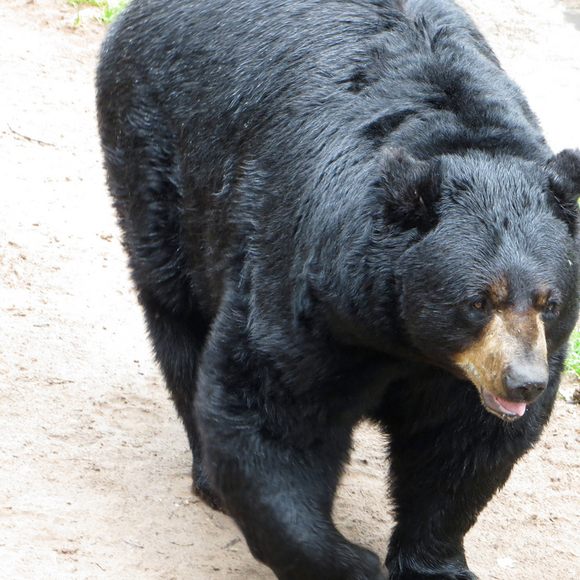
(275, 466)
(443, 472)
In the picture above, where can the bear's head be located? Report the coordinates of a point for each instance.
(488, 289)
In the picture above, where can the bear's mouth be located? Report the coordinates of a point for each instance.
(502, 408)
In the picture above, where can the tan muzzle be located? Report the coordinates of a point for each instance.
(508, 363)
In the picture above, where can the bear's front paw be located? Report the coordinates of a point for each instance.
(435, 575)
(428, 568)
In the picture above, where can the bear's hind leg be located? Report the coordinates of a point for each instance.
(145, 186)
(176, 342)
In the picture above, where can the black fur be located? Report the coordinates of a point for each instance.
(310, 193)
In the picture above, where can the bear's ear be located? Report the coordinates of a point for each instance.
(412, 188)
(564, 177)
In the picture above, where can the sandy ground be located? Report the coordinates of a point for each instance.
(94, 476)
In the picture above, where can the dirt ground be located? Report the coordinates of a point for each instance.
(94, 476)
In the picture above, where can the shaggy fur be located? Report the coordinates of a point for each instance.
(317, 199)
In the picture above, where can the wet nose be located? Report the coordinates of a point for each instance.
(525, 382)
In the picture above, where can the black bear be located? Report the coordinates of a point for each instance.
(337, 210)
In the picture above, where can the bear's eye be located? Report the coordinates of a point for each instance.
(477, 309)
(479, 304)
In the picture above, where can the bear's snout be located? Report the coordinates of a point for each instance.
(525, 382)
(508, 363)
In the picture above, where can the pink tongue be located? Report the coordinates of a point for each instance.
(515, 408)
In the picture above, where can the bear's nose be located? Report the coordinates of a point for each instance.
(525, 382)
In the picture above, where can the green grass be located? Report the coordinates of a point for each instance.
(573, 361)
(112, 9)
(109, 9)
(81, 3)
